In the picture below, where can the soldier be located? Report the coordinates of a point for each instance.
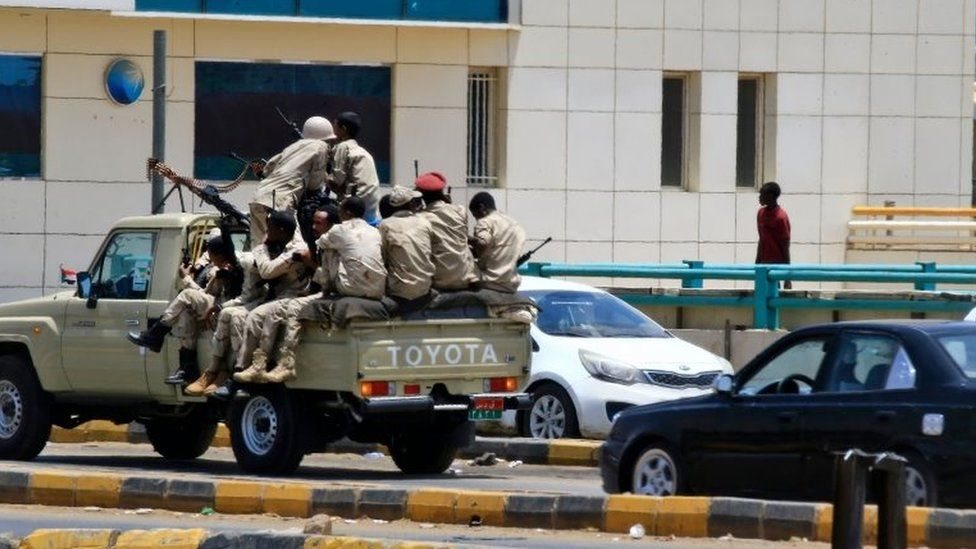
(407, 240)
(229, 331)
(497, 243)
(454, 267)
(186, 311)
(352, 255)
(353, 169)
(276, 262)
(301, 167)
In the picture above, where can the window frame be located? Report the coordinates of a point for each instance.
(830, 387)
(40, 117)
(825, 363)
(99, 262)
(759, 124)
(489, 136)
(685, 117)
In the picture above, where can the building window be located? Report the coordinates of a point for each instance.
(749, 132)
(673, 125)
(482, 117)
(235, 110)
(20, 115)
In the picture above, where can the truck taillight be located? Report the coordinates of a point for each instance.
(377, 388)
(501, 384)
(411, 389)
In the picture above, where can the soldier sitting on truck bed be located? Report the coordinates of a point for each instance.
(287, 277)
(190, 307)
(407, 238)
(454, 266)
(497, 244)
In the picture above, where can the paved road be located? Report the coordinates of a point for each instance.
(20, 520)
(320, 469)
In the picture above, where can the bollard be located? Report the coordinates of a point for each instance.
(850, 489)
(694, 265)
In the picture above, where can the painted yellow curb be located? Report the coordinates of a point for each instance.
(98, 491)
(72, 436)
(824, 522)
(64, 539)
(918, 521)
(624, 511)
(431, 506)
(238, 497)
(573, 452)
(172, 539)
(52, 488)
(488, 506)
(222, 438)
(682, 516)
(323, 542)
(287, 500)
(105, 431)
(870, 525)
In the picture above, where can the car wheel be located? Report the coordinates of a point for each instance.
(416, 454)
(267, 432)
(25, 413)
(184, 438)
(920, 487)
(552, 414)
(656, 472)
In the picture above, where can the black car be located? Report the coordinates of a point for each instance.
(774, 428)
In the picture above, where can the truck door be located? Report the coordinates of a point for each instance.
(96, 355)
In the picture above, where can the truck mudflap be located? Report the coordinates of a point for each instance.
(478, 406)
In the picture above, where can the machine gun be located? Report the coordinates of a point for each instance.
(528, 255)
(206, 192)
(291, 123)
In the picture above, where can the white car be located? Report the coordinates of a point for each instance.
(595, 355)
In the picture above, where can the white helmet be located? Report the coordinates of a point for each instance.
(318, 127)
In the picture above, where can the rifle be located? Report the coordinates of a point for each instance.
(206, 192)
(528, 255)
(291, 123)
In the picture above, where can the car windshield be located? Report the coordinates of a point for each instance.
(591, 314)
(962, 349)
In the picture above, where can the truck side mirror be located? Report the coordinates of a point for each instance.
(85, 289)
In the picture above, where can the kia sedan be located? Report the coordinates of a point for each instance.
(774, 429)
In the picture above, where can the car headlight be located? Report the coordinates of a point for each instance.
(609, 369)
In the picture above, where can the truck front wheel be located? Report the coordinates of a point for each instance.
(25, 413)
(417, 454)
(266, 431)
(184, 438)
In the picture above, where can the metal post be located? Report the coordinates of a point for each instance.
(693, 282)
(850, 487)
(892, 525)
(927, 267)
(760, 298)
(159, 115)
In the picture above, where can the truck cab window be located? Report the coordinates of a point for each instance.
(125, 268)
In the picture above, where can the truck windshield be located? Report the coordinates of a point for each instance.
(962, 349)
(591, 314)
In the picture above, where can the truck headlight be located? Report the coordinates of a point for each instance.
(610, 369)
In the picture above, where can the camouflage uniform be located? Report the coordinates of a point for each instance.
(354, 174)
(454, 267)
(407, 252)
(298, 168)
(501, 240)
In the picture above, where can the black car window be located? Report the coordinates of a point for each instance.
(869, 362)
(794, 370)
(962, 349)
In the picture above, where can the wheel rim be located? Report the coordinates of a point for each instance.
(259, 425)
(655, 474)
(11, 409)
(547, 419)
(916, 490)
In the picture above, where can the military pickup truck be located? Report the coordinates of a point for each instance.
(414, 385)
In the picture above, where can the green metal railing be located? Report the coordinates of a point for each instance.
(767, 300)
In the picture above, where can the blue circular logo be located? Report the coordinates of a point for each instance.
(124, 81)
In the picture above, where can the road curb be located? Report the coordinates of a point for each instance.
(582, 453)
(196, 538)
(679, 516)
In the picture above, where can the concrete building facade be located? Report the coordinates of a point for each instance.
(628, 130)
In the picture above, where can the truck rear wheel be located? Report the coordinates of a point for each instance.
(267, 431)
(184, 438)
(25, 413)
(415, 454)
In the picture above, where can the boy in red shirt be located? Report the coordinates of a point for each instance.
(774, 229)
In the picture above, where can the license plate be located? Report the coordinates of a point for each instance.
(483, 415)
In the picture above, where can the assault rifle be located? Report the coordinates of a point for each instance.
(528, 255)
(291, 123)
(206, 192)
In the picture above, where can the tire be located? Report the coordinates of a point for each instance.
(920, 485)
(184, 438)
(656, 472)
(25, 410)
(551, 416)
(267, 431)
(421, 455)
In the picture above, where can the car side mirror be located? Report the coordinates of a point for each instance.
(723, 384)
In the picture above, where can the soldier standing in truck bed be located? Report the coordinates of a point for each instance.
(353, 168)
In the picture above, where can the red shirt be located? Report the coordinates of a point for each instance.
(774, 234)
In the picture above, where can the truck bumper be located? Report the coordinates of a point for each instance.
(425, 404)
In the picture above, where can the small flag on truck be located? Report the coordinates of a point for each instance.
(68, 276)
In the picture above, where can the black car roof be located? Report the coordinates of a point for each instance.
(928, 326)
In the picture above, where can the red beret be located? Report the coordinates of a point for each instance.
(431, 181)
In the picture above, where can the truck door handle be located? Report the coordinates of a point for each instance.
(131, 322)
(787, 417)
(884, 415)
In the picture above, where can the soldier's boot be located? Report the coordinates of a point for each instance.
(199, 387)
(222, 377)
(188, 368)
(152, 338)
(255, 372)
(285, 370)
